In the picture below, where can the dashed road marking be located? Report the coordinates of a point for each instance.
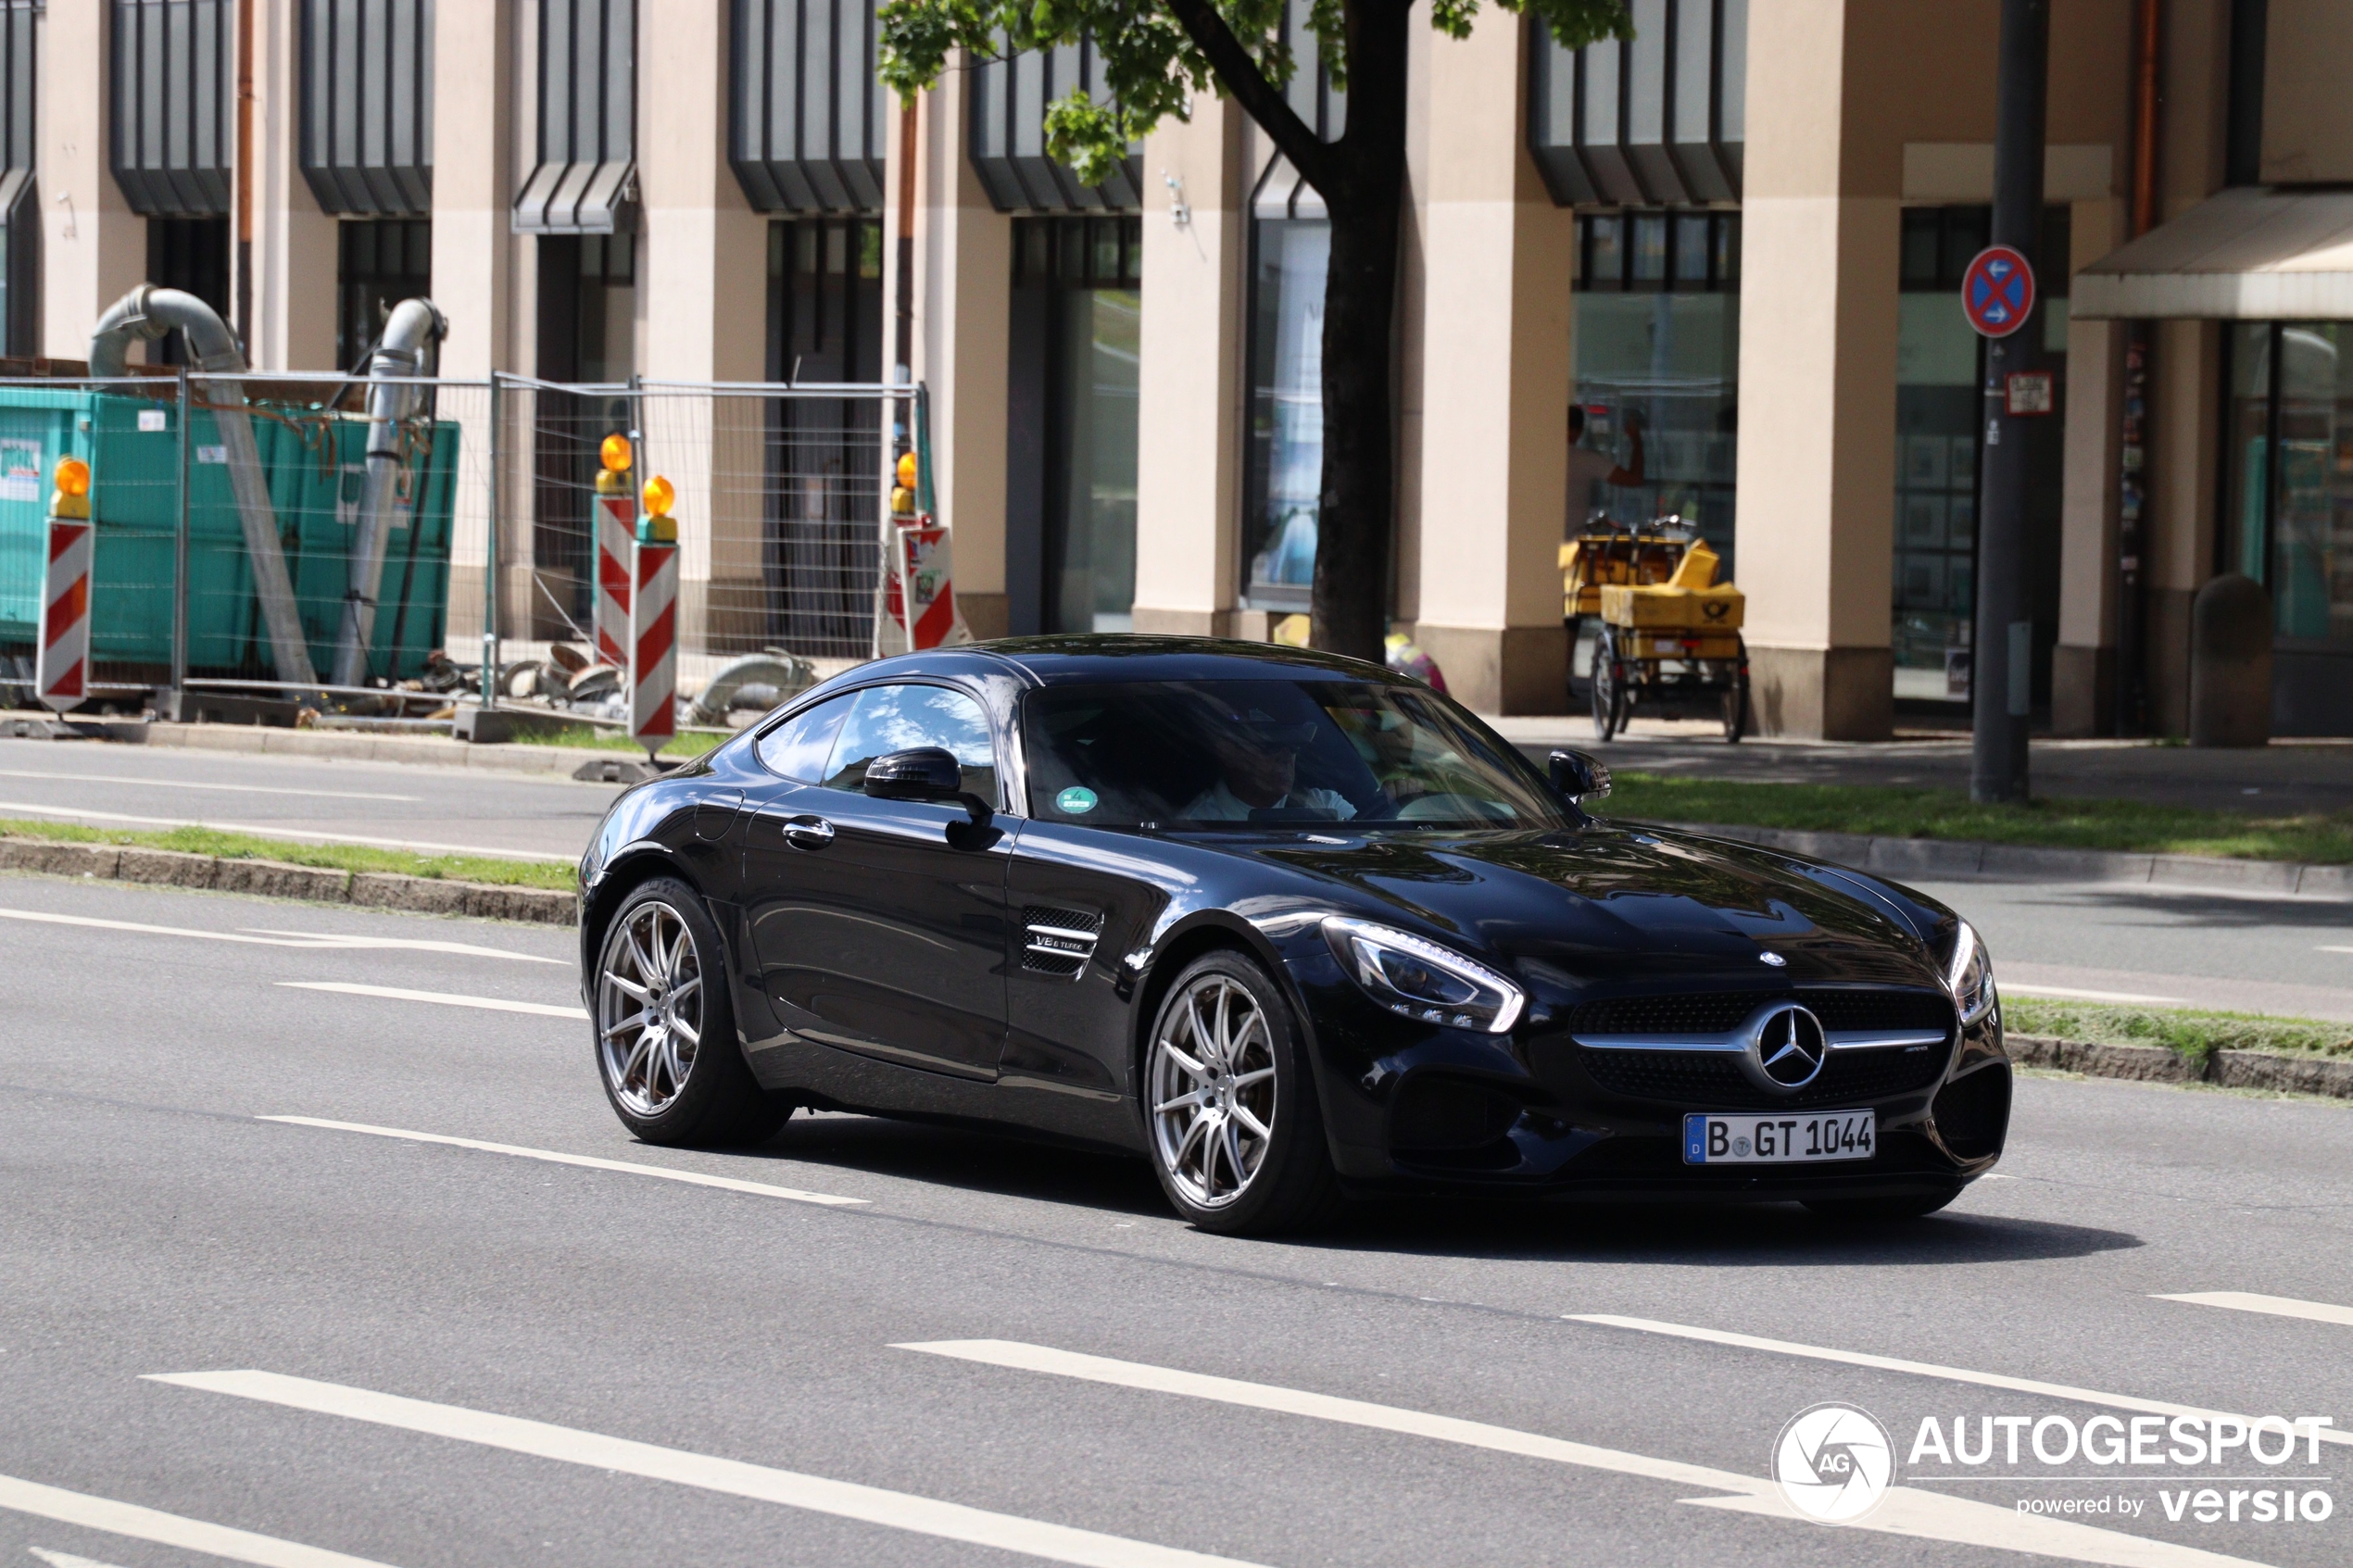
(1925, 1369)
(263, 936)
(1905, 1511)
(441, 998)
(165, 1529)
(818, 1494)
(192, 784)
(2068, 993)
(586, 1161)
(2276, 1306)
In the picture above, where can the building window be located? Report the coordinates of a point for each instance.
(191, 254)
(825, 455)
(1939, 400)
(588, 334)
(1657, 352)
(1078, 330)
(2288, 523)
(379, 263)
(1284, 483)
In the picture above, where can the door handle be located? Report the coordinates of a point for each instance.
(808, 832)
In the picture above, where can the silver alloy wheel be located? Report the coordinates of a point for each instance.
(1212, 1080)
(650, 1008)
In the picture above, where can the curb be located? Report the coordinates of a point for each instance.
(2329, 1076)
(271, 879)
(1948, 856)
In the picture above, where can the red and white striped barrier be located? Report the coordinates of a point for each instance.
(653, 645)
(616, 538)
(61, 666)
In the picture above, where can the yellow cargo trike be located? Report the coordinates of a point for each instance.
(1670, 636)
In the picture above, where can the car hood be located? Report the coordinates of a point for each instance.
(1572, 908)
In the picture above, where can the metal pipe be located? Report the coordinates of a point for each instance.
(409, 348)
(179, 555)
(146, 314)
(2133, 480)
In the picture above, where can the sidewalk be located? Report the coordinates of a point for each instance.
(2288, 776)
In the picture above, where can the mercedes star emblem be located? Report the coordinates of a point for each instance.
(1787, 1047)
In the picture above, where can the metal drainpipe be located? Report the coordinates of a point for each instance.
(146, 314)
(408, 348)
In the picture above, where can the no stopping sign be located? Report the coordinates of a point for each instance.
(1997, 292)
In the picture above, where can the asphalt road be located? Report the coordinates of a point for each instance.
(386, 804)
(421, 1353)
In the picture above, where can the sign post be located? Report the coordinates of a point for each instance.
(1998, 296)
(61, 666)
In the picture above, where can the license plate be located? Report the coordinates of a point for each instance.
(1779, 1140)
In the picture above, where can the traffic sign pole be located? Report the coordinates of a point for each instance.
(1998, 296)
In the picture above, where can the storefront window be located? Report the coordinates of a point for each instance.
(1939, 371)
(1657, 349)
(2292, 530)
(1286, 477)
(379, 263)
(1078, 315)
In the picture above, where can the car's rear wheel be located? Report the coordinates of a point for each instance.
(1879, 1210)
(666, 1048)
(1237, 1137)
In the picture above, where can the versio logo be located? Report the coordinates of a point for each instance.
(1833, 1462)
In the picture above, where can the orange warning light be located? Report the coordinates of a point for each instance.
(73, 477)
(616, 453)
(906, 470)
(660, 496)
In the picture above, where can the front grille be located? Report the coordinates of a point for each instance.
(1719, 1012)
(1713, 1080)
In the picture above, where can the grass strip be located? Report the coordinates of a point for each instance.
(2137, 827)
(588, 737)
(333, 857)
(2193, 1033)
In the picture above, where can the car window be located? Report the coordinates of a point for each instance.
(888, 719)
(798, 748)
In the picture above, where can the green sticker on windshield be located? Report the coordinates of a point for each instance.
(1076, 801)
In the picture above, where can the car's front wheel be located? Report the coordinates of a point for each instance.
(666, 1047)
(1237, 1137)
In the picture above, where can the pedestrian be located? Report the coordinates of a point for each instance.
(1591, 468)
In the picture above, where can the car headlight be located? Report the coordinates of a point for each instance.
(1969, 976)
(1419, 979)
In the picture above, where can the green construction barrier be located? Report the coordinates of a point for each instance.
(314, 462)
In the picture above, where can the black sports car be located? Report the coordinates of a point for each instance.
(1289, 925)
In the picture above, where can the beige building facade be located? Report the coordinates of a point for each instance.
(1733, 246)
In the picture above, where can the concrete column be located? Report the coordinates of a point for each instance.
(702, 293)
(481, 284)
(93, 246)
(1496, 266)
(294, 256)
(1188, 459)
(1818, 268)
(963, 283)
(2084, 664)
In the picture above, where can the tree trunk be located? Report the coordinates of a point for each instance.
(1354, 525)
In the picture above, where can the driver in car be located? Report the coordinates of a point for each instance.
(1258, 762)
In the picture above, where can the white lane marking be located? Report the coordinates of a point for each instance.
(2068, 993)
(1926, 1369)
(263, 936)
(2333, 950)
(280, 830)
(444, 998)
(67, 1558)
(2277, 1306)
(587, 1161)
(167, 1530)
(191, 784)
(818, 1494)
(1906, 1510)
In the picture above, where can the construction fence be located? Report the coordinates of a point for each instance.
(351, 535)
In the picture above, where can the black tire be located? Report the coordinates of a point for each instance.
(667, 1089)
(1736, 710)
(1879, 1210)
(1289, 1186)
(1608, 684)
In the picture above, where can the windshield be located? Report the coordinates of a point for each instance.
(1194, 754)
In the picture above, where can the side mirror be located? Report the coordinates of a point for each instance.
(1579, 776)
(928, 772)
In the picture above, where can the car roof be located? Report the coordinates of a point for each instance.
(1098, 657)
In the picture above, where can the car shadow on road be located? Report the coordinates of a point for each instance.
(1469, 1227)
(1760, 1236)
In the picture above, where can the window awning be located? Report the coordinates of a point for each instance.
(2257, 252)
(576, 198)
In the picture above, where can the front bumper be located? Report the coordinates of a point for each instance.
(1410, 1109)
